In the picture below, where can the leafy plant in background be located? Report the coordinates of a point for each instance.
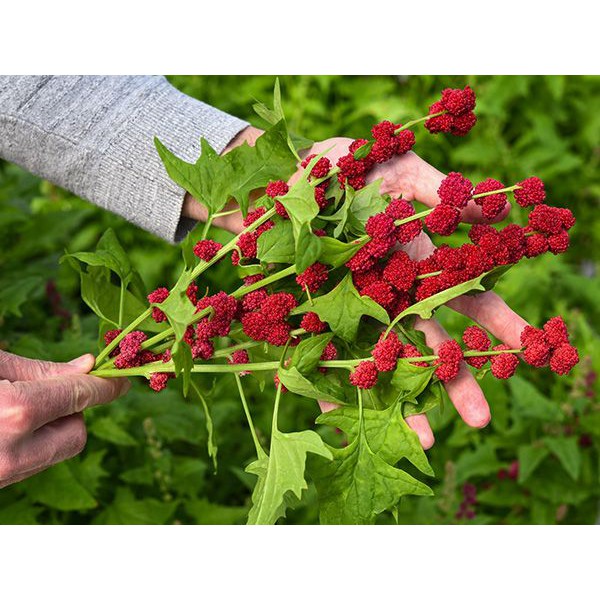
(172, 497)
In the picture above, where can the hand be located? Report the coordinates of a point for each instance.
(40, 411)
(414, 179)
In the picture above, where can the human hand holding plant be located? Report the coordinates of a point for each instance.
(41, 404)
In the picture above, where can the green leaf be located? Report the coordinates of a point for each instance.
(126, 510)
(180, 312)
(58, 488)
(214, 179)
(110, 254)
(109, 430)
(308, 352)
(277, 245)
(411, 380)
(363, 204)
(273, 116)
(336, 253)
(282, 472)
(568, 453)
(425, 308)
(205, 513)
(481, 461)
(308, 248)
(529, 403)
(358, 484)
(529, 459)
(318, 386)
(432, 396)
(386, 431)
(343, 307)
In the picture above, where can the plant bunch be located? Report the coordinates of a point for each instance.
(326, 302)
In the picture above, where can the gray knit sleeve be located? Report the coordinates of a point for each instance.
(93, 135)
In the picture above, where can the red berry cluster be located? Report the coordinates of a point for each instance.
(156, 297)
(457, 115)
(388, 141)
(549, 345)
(247, 242)
(207, 249)
(264, 317)
(239, 357)
(313, 277)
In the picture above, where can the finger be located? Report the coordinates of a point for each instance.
(416, 179)
(53, 443)
(28, 405)
(493, 314)
(463, 390)
(420, 425)
(17, 368)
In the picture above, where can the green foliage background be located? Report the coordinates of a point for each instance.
(146, 458)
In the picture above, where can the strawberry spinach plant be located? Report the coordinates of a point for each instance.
(325, 305)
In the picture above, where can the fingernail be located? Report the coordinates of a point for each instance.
(81, 361)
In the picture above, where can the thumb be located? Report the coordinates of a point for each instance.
(17, 368)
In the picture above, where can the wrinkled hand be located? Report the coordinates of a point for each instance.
(40, 411)
(413, 178)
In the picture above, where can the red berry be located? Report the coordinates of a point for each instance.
(455, 190)
(380, 226)
(250, 279)
(156, 297)
(313, 277)
(383, 130)
(400, 271)
(443, 220)
(158, 381)
(239, 357)
(531, 192)
(546, 219)
(387, 351)
(207, 249)
(450, 355)
(476, 338)
(277, 188)
(536, 355)
(558, 242)
(463, 124)
(380, 292)
(563, 359)
(253, 300)
(330, 352)
(535, 245)
(278, 333)
(556, 332)
(458, 102)
(277, 306)
(311, 323)
(441, 123)
(364, 375)
(503, 365)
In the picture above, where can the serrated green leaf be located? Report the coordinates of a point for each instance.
(568, 453)
(529, 403)
(282, 472)
(481, 461)
(432, 396)
(308, 248)
(127, 510)
(358, 484)
(214, 179)
(363, 204)
(386, 431)
(530, 458)
(343, 307)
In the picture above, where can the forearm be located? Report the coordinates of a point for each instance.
(94, 136)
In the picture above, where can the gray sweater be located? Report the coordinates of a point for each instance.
(93, 135)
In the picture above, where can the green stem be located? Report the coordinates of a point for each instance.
(426, 275)
(259, 449)
(206, 227)
(417, 121)
(121, 304)
(276, 409)
(226, 213)
(246, 289)
(500, 191)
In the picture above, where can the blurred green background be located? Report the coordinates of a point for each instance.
(146, 458)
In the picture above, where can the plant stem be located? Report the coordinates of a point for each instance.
(417, 121)
(500, 191)
(246, 289)
(206, 227)
(121, 304)
(259, 449)
(426, 275)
